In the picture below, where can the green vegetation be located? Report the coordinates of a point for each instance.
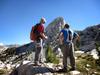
(77, 44)
(50, 56)
(3, 71)
(98, 50)
(87, 65)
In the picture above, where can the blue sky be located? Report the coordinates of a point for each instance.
(18, 16)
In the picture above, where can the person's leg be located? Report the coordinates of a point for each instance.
(72, 57)
(37, 52)
(65, 52)
(42, 54)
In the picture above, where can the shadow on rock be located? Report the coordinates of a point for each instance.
(29, 69)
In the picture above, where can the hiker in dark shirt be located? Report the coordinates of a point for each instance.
(66, 38)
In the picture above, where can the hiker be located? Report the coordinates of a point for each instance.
(37, 36)
(66, 37)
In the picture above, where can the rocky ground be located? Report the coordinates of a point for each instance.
(85, 63)
(28, 68)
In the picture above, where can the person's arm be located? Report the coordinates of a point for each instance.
(61, 38)
(41, 31)
(76, 36)
(43, 36)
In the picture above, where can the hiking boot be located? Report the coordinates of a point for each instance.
(37, 64)
(72, 69)
(41, 62)
(61, 70)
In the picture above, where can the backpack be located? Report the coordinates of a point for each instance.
(34, 34)
(69, 35)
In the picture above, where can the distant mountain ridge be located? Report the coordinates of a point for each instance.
(89, 37)
(2, 48)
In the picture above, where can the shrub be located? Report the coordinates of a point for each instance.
(51, 56)
(2, 71)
